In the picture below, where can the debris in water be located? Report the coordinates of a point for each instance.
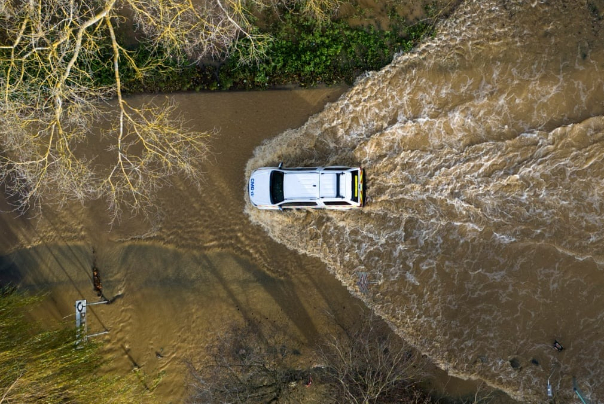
(515, 363)
(96, 277)
(96, 280)
(363, 282)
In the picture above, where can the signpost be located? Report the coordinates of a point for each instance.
(550, 390)
(81, 323)
(80, 313)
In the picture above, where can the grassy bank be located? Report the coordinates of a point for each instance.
(50, 366)
(301, 51)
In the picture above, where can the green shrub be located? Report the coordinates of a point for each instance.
(308, 53)
(301, 51)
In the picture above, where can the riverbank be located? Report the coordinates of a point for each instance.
(296, 49)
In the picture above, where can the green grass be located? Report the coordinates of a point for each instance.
(301, 52)
(46, 366)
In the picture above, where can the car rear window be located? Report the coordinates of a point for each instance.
(277, 187)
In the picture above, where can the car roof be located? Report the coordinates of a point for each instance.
(313, 185)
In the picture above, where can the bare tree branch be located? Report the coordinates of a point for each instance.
(369, 364)
(51, 104)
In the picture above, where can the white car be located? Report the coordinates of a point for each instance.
(306, 187)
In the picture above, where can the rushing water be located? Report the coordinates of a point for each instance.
(201, 269)
(484, 225)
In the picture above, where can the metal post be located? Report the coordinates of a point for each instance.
(95, 303)
(80, 306)
(81, 322)
(363, 282)
(97, 334)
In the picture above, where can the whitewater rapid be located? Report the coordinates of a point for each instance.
(483, 230)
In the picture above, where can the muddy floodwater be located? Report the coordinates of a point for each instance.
(202, 267)
(483, 230)
(482, 236)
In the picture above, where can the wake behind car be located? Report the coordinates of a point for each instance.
(306, 187)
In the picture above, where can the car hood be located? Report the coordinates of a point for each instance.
(259, 187)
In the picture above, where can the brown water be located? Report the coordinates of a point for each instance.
(483, 230)
(482, 233)
(203, 267)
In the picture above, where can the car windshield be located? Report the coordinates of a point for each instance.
(277, 187)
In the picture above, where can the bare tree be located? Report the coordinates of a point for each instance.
(319, 10)
(50, 104)
(247, 366)
(368, 363)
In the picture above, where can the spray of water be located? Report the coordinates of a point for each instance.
(484, 224)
